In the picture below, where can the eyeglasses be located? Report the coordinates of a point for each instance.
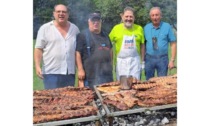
(154, 43)
(64, 12)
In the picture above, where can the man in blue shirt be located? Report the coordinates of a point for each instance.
(158, 35)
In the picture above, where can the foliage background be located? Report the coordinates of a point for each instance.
(110, 10)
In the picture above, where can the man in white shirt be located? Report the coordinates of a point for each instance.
(55, 49)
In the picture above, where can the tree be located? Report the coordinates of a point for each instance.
(111, 10)
(43, 12)
(80, 10)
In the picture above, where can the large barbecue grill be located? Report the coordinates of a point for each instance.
(159, 93)
(66, 105)
(111, 111)
(74, 120)
(71, 105)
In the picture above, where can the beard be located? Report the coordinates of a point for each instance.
(128, 24)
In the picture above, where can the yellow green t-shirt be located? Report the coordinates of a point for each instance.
(117, 33)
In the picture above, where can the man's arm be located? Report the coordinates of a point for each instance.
(81, 72)
(38, 58)
(142, 51)
(173, 55)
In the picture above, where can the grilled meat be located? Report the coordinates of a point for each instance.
(62, 103)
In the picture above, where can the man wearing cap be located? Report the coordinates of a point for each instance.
(94, 54)
(129, 42)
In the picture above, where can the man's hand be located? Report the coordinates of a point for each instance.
(39, 73)
(81, 74)
(171, 65)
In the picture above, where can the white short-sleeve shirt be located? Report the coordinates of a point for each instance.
(58, 52)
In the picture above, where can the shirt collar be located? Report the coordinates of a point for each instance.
(158, 26)
(51, 23)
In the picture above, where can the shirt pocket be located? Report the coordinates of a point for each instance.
(163, 36)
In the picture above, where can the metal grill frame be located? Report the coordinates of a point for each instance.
(130, 111)
(74, 120)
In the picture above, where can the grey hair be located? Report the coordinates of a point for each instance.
(67, 8)
(128, 9)
(155, 8)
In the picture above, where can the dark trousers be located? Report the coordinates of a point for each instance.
(158, 63)
(58, 80)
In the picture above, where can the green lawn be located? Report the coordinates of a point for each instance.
(38, 84)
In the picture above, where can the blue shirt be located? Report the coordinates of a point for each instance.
(164, 34)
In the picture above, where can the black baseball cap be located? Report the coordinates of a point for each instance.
(95, 15)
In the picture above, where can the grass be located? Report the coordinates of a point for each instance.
(38, 83)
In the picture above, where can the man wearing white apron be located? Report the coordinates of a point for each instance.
(129, 44)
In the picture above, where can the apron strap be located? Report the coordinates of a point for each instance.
(87, 36)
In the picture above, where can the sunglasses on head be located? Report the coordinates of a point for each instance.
(154, 43)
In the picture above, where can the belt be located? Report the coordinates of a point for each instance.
(156, 56)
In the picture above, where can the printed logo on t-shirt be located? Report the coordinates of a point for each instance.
(103, 47)
(129, 44)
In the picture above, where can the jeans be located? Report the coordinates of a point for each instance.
(57, 80)
(158, 63)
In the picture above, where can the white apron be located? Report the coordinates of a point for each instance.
(128, 59)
